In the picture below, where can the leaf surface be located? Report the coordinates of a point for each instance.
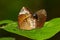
(49, 29)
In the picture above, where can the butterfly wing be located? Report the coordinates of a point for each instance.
(41, 17)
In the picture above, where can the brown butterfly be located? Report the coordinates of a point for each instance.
(28, 20)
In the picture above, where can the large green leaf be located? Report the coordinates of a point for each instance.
(49, 29)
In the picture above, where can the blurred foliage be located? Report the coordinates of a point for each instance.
(53, 8)
(49, 29)
(7, 38)
(9, 9)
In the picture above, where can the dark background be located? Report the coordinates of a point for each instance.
(9, 9)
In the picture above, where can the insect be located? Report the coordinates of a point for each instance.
(28, 20)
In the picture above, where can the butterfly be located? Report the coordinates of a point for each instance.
(28, 20)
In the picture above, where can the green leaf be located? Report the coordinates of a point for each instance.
(7, 38)
(6, 21)
(49, 29)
